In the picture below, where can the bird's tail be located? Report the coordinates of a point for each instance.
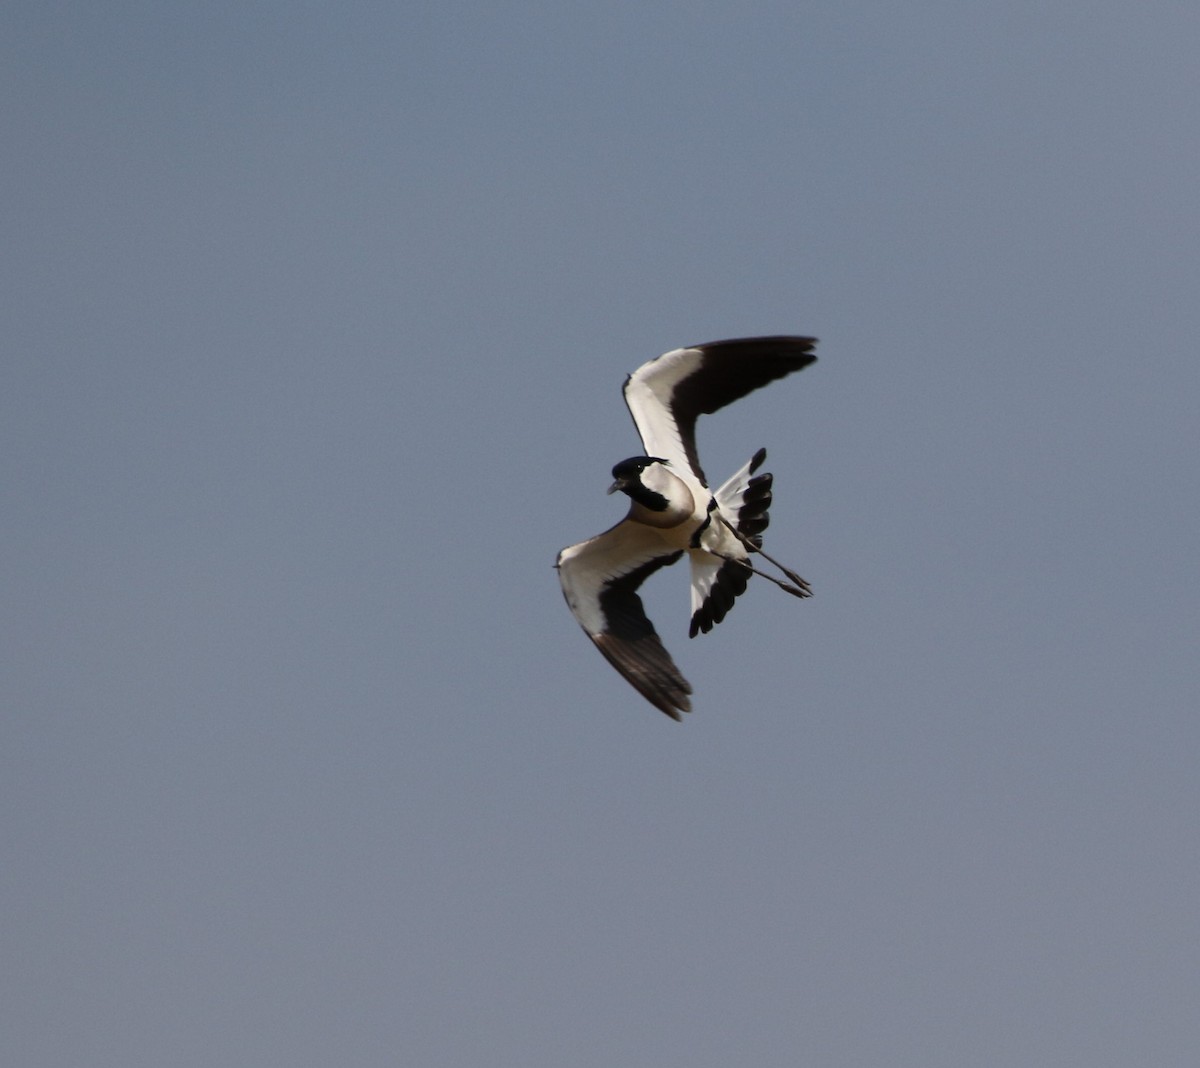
(746, 498)
(721, 568)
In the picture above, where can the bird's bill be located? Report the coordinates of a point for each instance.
(618, 485)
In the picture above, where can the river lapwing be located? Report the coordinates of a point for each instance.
(672, 511)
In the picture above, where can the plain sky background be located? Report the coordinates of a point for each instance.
(314, 324)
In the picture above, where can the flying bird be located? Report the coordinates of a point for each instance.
(672, 511)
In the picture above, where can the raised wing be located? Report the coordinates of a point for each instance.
(600, 578)
(667, 395)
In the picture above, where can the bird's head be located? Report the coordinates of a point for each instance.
(636, 474)
(660, 498)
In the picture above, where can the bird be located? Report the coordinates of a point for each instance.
(673, 512)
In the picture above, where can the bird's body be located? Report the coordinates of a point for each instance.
(673, 511)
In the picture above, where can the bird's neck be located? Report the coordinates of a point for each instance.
(660, 499)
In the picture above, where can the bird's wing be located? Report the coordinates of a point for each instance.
(716, 584)
(667, 395)
(600, 579)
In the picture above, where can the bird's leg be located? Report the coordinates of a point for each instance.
(801, 588)
(795, 591)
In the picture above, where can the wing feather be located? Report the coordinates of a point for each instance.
(600, 579)
(667, 395)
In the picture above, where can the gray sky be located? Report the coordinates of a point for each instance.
(315, 323)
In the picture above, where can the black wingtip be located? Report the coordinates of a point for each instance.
(728, 585)
(793, 344)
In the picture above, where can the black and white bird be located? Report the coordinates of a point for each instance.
(672, 511)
